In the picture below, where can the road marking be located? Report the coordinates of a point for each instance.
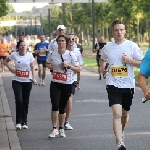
(93, 101)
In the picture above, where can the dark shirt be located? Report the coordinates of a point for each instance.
(101, 45)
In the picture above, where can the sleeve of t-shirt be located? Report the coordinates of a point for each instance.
(74, 60)
(32, 58)
(137, 54)
(145, 65)
(11, 56)
(80, 59)
(49, 58)
(103, 55)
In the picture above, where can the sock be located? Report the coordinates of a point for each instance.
(54, 127)
(60, 128)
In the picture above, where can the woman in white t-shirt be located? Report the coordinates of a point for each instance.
(24, 75)
(63, 63)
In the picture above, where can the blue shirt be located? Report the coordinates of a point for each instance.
(145, 65)
(40, 46)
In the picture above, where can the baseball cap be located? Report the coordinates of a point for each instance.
(60, 27)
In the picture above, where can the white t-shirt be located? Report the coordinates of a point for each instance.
(119, 74)
(78, 55)
(22, 66)
(60, 75)
(53, 45)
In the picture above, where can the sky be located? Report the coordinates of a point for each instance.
(19, 7)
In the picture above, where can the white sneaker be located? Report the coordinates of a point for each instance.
(144, 100)
(53, 134)
(67, 126)
(120, 146)
(18, 126)
(25, 126)
(62, 133)
(78, 87)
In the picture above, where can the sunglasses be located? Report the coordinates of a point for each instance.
(71, 39)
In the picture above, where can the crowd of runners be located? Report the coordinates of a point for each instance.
(63, 57)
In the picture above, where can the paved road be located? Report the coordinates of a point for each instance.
(91, 119)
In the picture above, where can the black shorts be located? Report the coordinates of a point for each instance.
(59, 94)
(98, 57)
(122, 96)
(74, 85)
(3, 57)
(42, 62)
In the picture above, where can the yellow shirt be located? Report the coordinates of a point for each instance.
(32, 45)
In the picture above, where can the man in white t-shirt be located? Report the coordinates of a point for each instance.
(61, 30)
(122, 55)
(76, 51)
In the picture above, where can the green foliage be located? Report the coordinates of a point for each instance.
(3, 7)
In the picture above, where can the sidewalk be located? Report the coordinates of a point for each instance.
(8, 135)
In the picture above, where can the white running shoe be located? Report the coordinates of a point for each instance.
(78, 87)
(25, 126)
(67, 126)
(144, 100)
(120, 146)
(53, 134)
(62, 133)
(18, 126)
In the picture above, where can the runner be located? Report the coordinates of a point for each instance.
(53, 44)
(78, 45)
(41, 50)
(122, 56)
(24, 74)
(3, 53)
(70, 47)
(63, 63)
(98, 47)
(143, 76)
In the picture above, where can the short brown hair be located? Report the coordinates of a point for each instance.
(64, 36)
(117, 22)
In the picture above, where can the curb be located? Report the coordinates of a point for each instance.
(13, 139)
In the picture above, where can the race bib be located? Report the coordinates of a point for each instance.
(42, 52)
(119, 71)
(24, 74)
(60, 77)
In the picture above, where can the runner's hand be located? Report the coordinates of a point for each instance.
(126, 59)
(12, 70)
(147, 93)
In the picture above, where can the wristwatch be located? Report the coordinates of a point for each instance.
(69, 67)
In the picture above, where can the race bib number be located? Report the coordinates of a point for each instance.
(22, 74)
(60, 77)
(119, 71)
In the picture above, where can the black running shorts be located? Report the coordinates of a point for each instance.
(122, 96)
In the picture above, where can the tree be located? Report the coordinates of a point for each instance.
(3, 7)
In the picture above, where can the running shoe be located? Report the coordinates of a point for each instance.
(25, 126)
(144, 100)
(62, 133)
(78, 86)
(53, 133)
(67, 126)
(18, 126)
(121, 146)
